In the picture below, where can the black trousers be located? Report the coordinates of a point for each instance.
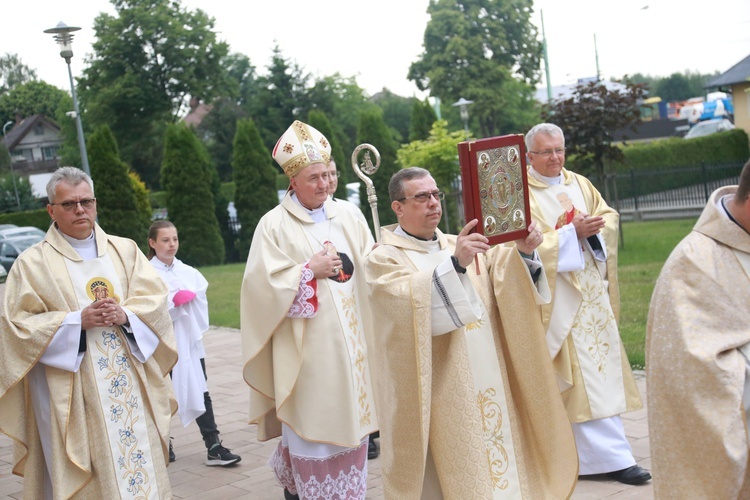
(207, 422)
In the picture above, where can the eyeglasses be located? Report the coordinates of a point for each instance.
(425, 197)
(548, 152)
(71, 205)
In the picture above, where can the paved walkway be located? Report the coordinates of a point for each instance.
(251, 478)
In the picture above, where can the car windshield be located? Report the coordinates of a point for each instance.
(22, 244)
(703, 129)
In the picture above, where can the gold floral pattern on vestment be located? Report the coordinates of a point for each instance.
(357, 348)
(492, 422)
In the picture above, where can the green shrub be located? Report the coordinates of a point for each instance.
(36, 218)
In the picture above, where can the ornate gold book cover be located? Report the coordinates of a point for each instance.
(495, 186)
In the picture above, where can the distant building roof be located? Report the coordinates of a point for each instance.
(19, 131)
(738, 73)
(198, 111)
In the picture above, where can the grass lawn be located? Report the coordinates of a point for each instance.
(646, 246)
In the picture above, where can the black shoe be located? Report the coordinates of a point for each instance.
(289, 496)
(634, 475)
(172, 456)
(218, 455)
(372, 449)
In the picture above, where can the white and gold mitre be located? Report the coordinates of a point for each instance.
(299, 147)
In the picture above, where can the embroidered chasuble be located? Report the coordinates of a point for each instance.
(697, 358)
(311, 373)
(110, 418)
(592, 369)
(478, 398)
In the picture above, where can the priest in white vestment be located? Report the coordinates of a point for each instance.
(304, 317)
(467, 399)
(698, 356)
(86, 344)
(579, 253)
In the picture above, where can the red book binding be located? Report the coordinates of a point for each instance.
(495, 186)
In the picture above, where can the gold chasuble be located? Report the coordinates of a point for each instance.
(481, 400)
(310, 373)
(592, 368)
(110, 419)
(698, 359)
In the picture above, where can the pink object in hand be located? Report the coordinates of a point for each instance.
(183, 297)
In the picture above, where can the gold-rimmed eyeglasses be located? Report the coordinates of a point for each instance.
(71, 205)
(549, 152)
(425, 197)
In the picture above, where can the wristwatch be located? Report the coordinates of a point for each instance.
(457, 266)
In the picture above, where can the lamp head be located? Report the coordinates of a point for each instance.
(63, 34)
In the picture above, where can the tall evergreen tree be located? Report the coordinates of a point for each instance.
(116, 202)
(373, 130)
(190, 202)
(255, 181)
(319, 120)
(422, 118)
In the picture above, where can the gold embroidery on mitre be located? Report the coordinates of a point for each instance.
(492, 421)
(288, 148)
(101, 288)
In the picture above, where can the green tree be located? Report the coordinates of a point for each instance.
(438, 154)
(589, 119)
(319, 120)
(396, 112)
(116, 202)
(190, 202)
(31, 98)
(148, 59)
(423, 118)
(487, 52)
(13, 72)
(8, 190)
(255, 181)
(280, 93)
(373, 130)
(217, 131)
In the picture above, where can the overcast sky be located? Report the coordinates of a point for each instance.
(377, 41)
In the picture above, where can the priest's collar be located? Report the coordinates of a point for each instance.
(543, 178)
(85, 248)
(433, 244)
(316, 214)
(723, 202)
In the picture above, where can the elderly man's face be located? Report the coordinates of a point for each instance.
(77, 222)
(415, 217)
(542, 155)
(333, 178)
(311, 185)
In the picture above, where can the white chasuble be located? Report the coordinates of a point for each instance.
(118, 384)
(582, 308)
(485, 369)
(339, 291)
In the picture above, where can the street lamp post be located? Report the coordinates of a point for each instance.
(63, 35)
(12, 174)
(463, 105)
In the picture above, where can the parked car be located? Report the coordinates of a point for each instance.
(7, 226)
(11, 248)
(709, 127)
(16, 232)
(3, 274)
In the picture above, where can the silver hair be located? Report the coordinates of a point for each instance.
(71, 175)
(549, 129)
